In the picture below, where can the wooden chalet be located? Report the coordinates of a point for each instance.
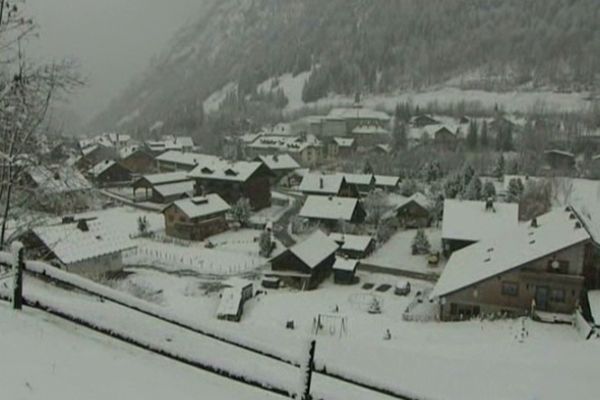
(109, 172)
(137, 160)
(327, 185)
(196, 218)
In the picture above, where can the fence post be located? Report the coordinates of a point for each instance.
(17, 250)
(306, 370)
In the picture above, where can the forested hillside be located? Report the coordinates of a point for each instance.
(362, 45)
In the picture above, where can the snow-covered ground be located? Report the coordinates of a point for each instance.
(396, 253)
(46, 358)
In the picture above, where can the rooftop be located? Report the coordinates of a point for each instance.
(279, 161)
(351, 242)
(329, 207)
(219, 169)
(318, 183)
(342, 264)
(315, 249)
(510, 249)
(470, 221)
(186, 158)
(171, 189)
(202, 206)
(168, 177)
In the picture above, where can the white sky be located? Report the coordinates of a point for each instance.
(113, 39)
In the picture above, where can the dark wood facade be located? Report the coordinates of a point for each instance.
(413, 215)
(139, 162)
(116, 173)
(297, 274)
(179, 225)
(257, 188)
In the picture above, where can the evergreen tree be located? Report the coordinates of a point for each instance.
(472, 138)
(515, 190)
(489, 191)
(368, 168)
(453, 186)
(265, 244)
(499, 168)
(484, 140)
(420, 244)
(400, 139)
(467, 174)
(473, 190)
(241, 211)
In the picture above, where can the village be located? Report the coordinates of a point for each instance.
(293, 232)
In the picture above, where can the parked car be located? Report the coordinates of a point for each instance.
(402, 288)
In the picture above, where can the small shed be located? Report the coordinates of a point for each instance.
(233, 298)
(354, 246)
(413, 212)
(344, 271)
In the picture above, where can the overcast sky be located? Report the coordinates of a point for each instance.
(113, 39)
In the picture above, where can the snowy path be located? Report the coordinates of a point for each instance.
(181, 342)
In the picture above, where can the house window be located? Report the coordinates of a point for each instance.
(558, 295)
(510, 288)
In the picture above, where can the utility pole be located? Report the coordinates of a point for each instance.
(18, 250)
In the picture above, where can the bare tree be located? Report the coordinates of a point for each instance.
(26, 93)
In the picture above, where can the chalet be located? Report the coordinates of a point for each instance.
(423, 120)
(467, 222)
(92, 155)
(137, 160)
(346, 147)
(86, 247)
(164, 188)
(234, 180)
(412, 212)
(387, 182)
(175, 160)
(442, 137)
(353, 246)
(196, 218)
(537, 267)
(364, 183)
(306, 264)
(233, 298)
(279, 165)
(109, 172)
(56, 188)
(344, 271)
(326, 185)
(560, 160)
(330, 210)
(306, 149)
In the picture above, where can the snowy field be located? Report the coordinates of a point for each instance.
(396, 253)
(47, 358)
(430, 359)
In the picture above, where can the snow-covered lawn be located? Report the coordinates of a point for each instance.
(396, 253)
(269, 214)
(47, 358)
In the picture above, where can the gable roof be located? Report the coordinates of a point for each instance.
(510, 249)
(279, 162)
(352, 242)
(219, 169)
(315, 249)
(167, 177)
(343, 264)
(469, 220)
(71, 244)
(101, 167)
(359, 179)
(201, 206)
(59, 179)
(171, 189)
(185, 158)
(324, 184)
(387, 180)
(344, 142)
(419, 198)
(329, 207)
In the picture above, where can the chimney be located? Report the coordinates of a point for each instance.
(321, 182)
(489, 205)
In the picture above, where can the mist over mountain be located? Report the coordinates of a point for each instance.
(362, 46)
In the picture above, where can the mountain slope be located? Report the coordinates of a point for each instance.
(363, 45)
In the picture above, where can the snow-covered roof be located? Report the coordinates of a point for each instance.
(89, 149)
(71, 244)
(231, 299)
(219, 169)
(510, 249)
(418, 198)
(185, 158)
(329, 207)
(279, 162)
(171, 189)
(386, 148)
(560, 152)
(594, 300)
(351, 242)
(344, 142)
(175, 143)
(167, 177)
(431, 130)
(129, 150)
(315, 249)
(387, 180)
(58, 179)
(289, 144)
(370, 130)
(342, 264)
(100, 168)
(202, 206)
(358, 179)
(358, 113)
(470, 221)
(318, 183)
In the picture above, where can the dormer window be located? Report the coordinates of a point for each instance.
(207, 170)
(231, 172)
